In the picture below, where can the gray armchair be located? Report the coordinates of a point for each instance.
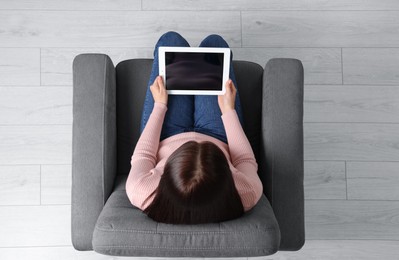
(107, 106)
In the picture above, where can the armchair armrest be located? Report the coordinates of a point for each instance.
(93, 143)
(282, 156)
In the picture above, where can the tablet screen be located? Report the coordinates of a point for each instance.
(194, 71)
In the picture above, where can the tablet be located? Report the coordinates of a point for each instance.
(194, 70)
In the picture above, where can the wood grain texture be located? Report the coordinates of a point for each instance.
(19, 66)
(351, 103)
(321, 65)
(56, 252)
(35, 105)
(320, 29)
(56, 184)
(35, 144)
(56, 63)
(35, 226)
(70, 5)
(348, 219)
(324, 180)
(373, 180)
(312, 250)
(270, 5)
(351, 141)
(69, 253)
(340, 249)
(112, 28)
(370, 66)
(20, 185)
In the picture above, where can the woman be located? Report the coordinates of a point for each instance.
(193, 163)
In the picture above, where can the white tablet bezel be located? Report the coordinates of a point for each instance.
(226, 68)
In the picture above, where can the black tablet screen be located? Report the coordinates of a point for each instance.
(194, 71)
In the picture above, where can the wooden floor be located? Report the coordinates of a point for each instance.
(350, 53)
(313, 250)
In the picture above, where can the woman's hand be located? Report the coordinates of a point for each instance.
(227, 101)
(158, 91)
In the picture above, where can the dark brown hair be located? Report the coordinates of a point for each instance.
(196, 187)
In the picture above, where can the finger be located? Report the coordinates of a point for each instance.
(227, 85)
(160, 82)
(228, 82)
(233, 87)
(160, 79)
(230, 86)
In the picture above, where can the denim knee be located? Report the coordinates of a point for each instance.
(172, 38)
(214, 40)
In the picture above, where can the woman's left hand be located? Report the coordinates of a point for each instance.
(158, 91)
(227, 101)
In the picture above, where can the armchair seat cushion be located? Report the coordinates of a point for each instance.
(125, 230)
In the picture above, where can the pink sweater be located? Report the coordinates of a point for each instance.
(150, 155)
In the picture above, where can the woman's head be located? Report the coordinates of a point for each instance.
(196, 187)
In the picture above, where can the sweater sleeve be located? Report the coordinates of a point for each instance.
(143, 177)
(245, 176)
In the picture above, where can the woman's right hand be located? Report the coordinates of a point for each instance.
(158, 91)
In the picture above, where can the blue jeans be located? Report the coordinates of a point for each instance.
(189, 113)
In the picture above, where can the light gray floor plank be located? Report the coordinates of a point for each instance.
(35, 226)
(320, 29)
(48, 253)
(35, 105)
(270, 5)
(35, 144)
(312, 250)
(370, 66)
(351, 141)
(321, 65)
(70, 5)
(373, 180)
(112, 28)
(340, 249)
(352, 219)
(325, 180)
(19, 66)
(56, 63)
(68, 252)
(20, 185)
(59, 253)
(351, 103)
(56, 184)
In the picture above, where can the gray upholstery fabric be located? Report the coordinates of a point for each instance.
(249, 81)
(93, 143)
(282, 154)
(272, 102)
(132, 79)
(124, 230)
